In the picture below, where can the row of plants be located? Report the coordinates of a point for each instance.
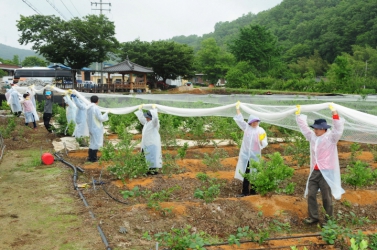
(332, 233)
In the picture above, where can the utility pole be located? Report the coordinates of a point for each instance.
(100, 11)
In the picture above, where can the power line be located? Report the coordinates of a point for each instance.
(67, 8)
(32, 7)
(57, 10)
(75, 8)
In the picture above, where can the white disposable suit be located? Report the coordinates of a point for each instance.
(324, 153)
(151, 140)
(71, 110)
(251, 145)
(81, 128)
(14, 101)
(95, 121)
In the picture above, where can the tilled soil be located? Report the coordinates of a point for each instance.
(218, 219)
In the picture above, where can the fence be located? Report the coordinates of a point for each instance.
(105, 88)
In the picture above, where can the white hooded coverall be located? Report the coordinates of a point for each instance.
(251, 146)
(151, 140)
(81, 129)
(324, 153)
(95, 124)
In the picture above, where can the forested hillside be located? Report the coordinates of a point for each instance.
(8, 52)
(303, 26)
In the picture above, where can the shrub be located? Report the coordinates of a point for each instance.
(180, 239)
(170, 166)
(268, 175)
(359, 175)
(182, 150)
(125, 164)
(7, 131)
(299, 147)
(210, 190)
(4, 105)
(373, 150)
(213, 161)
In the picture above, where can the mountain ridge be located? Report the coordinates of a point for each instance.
(7, 52)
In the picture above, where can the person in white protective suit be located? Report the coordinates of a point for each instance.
(14, 101)
(71, 110)
(151, 141)
(81, 129)
(95, 121)
(29, 111)
(254, 140)
(324, 163)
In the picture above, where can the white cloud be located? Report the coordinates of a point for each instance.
(145, 19)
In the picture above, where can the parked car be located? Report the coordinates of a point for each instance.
(88, 84)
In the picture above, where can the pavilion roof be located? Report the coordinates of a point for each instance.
(9, 66)
(127, 66)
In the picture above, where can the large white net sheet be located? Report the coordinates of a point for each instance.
(359, 113)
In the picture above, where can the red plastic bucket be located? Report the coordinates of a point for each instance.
(47, 158)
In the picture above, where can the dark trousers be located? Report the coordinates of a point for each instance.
(46, 121)
(316, 181)
(246, 183)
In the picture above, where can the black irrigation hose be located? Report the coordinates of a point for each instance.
(103, 237)
(2, 146)
(123, 202)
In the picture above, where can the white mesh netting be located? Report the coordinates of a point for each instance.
(359, 113)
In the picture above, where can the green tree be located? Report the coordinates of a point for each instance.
(240, 76)
(256, 46)
(3, 73)
(340, 74)
(33, 61)
(16, 60)
(168, 59)
(76, 43)
(5, 61)
(137, 51)
(313, 63)
(212, 61)
(171, 59)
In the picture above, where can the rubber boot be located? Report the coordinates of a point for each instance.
(252, 190)
(89, 155)
(94, 155)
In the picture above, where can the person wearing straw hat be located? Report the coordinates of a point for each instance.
(324, 163)
(254, 140)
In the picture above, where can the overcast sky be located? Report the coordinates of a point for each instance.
(148, 20)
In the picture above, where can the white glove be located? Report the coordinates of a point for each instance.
(141, 106)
